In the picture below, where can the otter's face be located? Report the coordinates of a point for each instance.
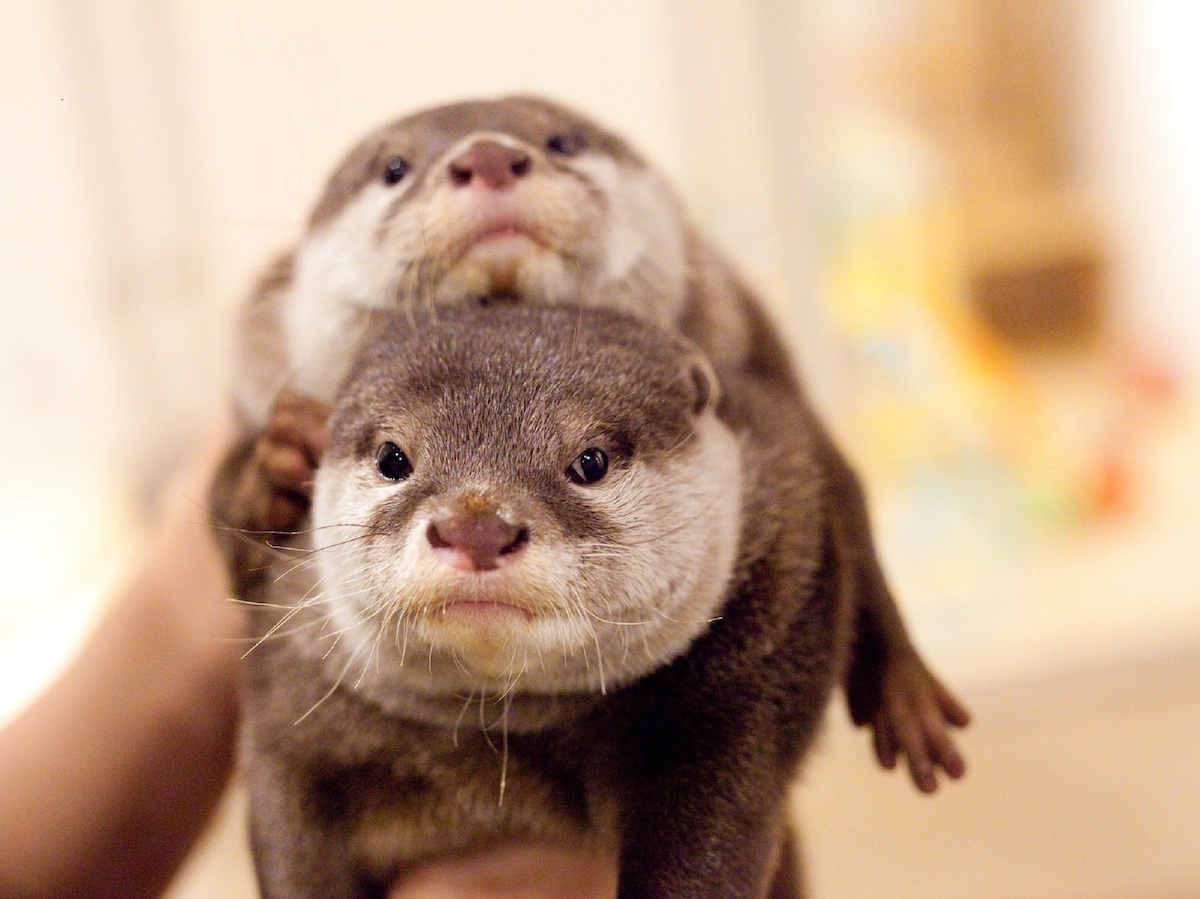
(527, 504)
(509, 199)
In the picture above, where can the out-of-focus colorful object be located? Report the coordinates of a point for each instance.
(995, 404)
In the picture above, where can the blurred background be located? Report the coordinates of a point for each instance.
(977, 220)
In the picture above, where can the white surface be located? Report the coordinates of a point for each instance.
(1081, 786)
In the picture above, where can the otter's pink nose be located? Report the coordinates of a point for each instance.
(491, 165)
(476, 542)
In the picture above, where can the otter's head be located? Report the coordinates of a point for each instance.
(516, 198)
(524, 500)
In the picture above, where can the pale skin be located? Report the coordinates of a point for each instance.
(109, 778)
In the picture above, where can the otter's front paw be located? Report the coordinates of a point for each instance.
(911, 713)
(280, 475)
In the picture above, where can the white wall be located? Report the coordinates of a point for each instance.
(1141, 142)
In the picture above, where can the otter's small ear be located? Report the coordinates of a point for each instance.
(702, 379)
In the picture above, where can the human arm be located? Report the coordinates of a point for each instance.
(110, 776)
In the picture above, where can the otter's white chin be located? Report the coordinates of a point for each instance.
(508, 264)
(488, 639)
(502, 247)
(484, 642)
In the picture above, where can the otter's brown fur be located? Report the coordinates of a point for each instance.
(587, 207)
(684, 768)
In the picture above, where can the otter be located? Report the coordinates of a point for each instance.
(548, 594)
(522, 200)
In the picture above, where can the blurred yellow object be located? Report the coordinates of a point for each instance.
(979, 449)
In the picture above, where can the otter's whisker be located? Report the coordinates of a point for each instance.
(483, 725)
(333, 689)
(462, 714)
(404, 644)
(599, 659)
(596, 617)
(273, 630)
(504, 754)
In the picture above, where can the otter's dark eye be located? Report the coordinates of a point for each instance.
(395, 169)
(391, 462)
(564, 144)
(589, 467)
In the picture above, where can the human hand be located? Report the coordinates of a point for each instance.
(515, 871)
